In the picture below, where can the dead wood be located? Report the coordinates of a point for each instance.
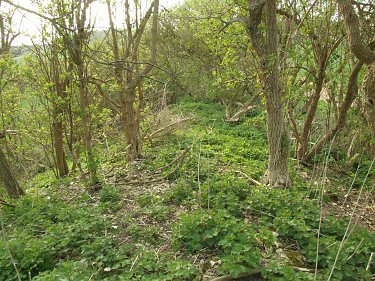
(247, 106)
(3, 202)
(253, 275)
(169, 126)
(249, 178)
(178, 158)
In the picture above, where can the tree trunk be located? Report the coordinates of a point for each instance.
(86, 125)
(61, 164)
(131, 126)
(278, 134)
(10, 182)
(369, 106)
(267, 51)
(57, 126)
(305, 136)
(229, 109)
(129, 82)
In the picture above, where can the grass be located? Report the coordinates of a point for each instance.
(205, 220)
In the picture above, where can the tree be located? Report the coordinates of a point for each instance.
(52, 61)
(128, 75)
(6, 175)
(366, 56)
(71, 23)
(7, 36)
(266, 49)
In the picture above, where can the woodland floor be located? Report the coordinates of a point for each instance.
(182, 210)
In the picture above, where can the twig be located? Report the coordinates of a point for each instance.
(133, 263)
(249, 178)
(369, 261)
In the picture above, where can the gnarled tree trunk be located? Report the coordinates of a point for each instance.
(266, 47)
(131, 125)
(365, 55)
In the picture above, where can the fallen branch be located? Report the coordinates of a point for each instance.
(150, 136)
(3, 202)
(182, 155)
(247, 106)
(249, 178)
(236, 117)
(179, 160)
(241, 276)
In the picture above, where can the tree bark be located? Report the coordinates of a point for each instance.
(131, 125)
(278, 133)
(369, 103)
(86, 125)
(83, 92)
(10, 182)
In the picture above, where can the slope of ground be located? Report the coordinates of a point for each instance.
(191, 210)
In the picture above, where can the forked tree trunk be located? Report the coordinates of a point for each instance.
(351, 93)
(10, 182)
(127, 81)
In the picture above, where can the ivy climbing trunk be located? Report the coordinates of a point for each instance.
(10, 182)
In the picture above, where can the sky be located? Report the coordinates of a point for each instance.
(29, 24)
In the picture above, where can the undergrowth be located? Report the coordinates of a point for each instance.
(238, 226)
